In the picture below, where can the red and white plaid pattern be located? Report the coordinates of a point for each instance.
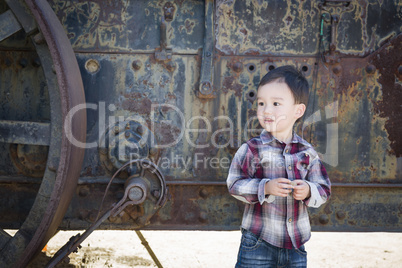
(280, 221)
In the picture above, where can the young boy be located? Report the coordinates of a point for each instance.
(278, 175)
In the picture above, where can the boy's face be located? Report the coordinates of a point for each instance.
(277, 111)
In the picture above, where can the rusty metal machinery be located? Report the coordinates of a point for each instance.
(173, 83)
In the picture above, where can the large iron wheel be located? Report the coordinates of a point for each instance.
(64, 159)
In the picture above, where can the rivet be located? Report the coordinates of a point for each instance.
(116, 129)
(204, 193)
(38, 39)
(323, 219)
(370, 69)
(127, 134)
(340, 215)
(92, 66)
(203, 216)
(136, 65)
(237, 67)
(337, 69)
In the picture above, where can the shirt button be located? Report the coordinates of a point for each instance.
(287, 151)
(289, 167)
(290, 220)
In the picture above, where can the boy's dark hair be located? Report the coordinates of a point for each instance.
(293, 78)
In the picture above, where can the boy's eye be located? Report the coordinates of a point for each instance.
(260, 104)
(276, 103)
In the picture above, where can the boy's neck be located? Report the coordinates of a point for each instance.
(283, 137)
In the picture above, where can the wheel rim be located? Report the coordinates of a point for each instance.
(64, 158)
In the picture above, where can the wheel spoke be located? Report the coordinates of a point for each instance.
(9, 25)
(21, 132)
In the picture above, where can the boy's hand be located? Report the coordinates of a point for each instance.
(278, 187)
(301, 190)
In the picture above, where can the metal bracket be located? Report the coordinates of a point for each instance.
(334, 8)
(163, 53)
(206, 87)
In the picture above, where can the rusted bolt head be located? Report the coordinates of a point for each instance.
(337, 69)
(370, 69)
(127, 134)
(323, 219)
(340, 215)
(203, 216)
(206, 88)
(237, 67)
(39, 39)
(136, 65)
(92, 66)
(203, 193)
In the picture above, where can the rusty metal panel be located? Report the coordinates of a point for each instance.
(142, 61)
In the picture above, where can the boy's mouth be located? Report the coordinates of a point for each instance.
(268, 120)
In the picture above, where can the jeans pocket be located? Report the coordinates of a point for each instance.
(301, 251)
(249, 241)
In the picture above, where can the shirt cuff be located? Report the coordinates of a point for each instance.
(315, 199)
(261, 193)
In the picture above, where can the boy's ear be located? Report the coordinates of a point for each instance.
(300, 109)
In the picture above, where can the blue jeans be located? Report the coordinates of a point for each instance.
(255, 252)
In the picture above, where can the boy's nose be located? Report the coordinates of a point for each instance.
(267, 110)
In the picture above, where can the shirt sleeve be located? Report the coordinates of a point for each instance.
(241, 181)
(320, 186)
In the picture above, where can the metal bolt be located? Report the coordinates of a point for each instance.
(340, 215)
(204, 193)
(127, 134)
(136, 65)
(323, 219)
(39, 39)
(237, 67)
(203, 216)
(370, 69)
(337, 69)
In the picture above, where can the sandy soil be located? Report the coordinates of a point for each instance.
(177, 249)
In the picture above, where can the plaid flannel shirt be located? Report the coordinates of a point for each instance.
(280, 221)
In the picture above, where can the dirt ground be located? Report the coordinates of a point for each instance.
(177, 249)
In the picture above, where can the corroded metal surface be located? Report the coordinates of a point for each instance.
(142, 61)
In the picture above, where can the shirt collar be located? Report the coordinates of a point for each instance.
(267, 137)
